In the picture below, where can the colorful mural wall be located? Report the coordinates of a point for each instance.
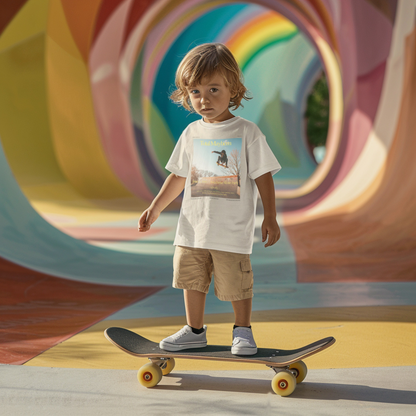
(86, 128)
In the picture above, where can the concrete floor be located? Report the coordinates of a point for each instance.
(68, 391)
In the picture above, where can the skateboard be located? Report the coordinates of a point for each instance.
(221, 164)
(287, 364)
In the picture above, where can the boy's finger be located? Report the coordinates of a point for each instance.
(143, 221)
(264, 233)
(272, 240)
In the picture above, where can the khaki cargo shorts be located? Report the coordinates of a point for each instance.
(193, 269)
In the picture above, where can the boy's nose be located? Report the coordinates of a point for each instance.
(204, 100)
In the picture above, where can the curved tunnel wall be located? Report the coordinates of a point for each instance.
(85, 120)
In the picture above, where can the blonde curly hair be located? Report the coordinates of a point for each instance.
(207, 60)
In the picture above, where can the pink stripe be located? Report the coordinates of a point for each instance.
(112, 107)
(110, 233)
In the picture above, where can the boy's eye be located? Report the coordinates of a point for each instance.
(214, 89)
(194, 91)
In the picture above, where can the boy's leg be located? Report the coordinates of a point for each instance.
(192, 268)
(192, 335)
(243, 341)
(194, 307)
(234, 280)
(242, 311)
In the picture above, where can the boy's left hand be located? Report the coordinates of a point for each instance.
(271, 229)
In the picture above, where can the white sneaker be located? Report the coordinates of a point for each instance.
(184, 339)
(243, 342)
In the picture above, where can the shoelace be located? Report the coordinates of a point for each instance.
(243, 334)
(179, 334)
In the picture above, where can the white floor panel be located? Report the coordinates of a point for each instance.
(51, 391)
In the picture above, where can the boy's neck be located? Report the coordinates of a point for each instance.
(227, 116)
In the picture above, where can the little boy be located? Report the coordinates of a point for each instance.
(215, 229)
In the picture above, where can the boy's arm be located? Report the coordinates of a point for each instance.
(170, 190)
(269, 227)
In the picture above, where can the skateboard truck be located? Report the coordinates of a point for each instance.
(165, 364)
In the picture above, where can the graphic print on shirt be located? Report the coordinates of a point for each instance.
(215, 170)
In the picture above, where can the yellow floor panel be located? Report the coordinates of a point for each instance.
(366, 337)
(63, 205)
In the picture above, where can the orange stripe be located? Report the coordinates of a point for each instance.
(40, 311)
(259, 23)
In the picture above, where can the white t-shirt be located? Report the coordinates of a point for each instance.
(220, 162)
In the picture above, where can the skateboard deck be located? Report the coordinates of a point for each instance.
(286, 363)
(221, 164)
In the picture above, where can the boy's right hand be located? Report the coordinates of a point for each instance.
(148, 217)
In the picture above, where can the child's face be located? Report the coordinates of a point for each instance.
(211, 99)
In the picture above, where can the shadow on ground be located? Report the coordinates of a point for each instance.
(305, 390)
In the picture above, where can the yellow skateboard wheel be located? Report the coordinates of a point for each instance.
(149, 375)
(284, 383)
(168, 366)
(300, 371)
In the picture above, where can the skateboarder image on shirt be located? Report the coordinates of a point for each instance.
(222, 158)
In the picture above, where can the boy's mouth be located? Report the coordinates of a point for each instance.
(206, 109)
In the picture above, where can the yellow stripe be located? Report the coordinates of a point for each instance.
(74, 130)
(28, 22)
(27, 145)
(64, 206)
(366, 337)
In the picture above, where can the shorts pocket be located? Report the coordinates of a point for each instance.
(247, 274)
